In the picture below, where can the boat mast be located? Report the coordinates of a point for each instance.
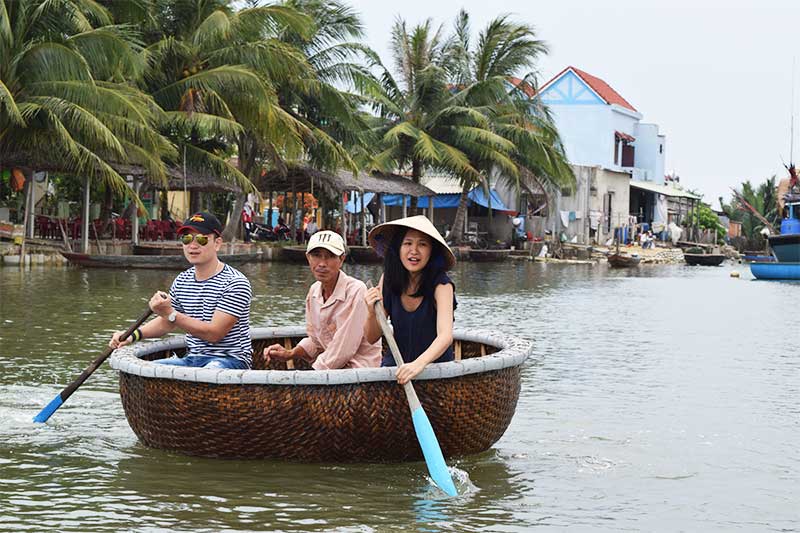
(791, 121)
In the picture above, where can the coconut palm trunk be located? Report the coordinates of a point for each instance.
(457, 231)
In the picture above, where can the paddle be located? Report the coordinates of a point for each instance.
(51, 407)
(437, 468)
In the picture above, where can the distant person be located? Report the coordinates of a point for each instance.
(247, 220)
(210, 302)
(416, 293)
(281, 230)
(335, 313)
(311, 227)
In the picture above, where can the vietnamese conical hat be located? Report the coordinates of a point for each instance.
(381, 235)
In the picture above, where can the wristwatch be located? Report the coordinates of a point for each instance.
(172, 316)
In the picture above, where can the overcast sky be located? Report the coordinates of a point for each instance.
(716, 76)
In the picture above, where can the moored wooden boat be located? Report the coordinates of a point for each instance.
(619, 260)
(160, 248)
(294, 254)
(169, 262)
(704, 259)
(363, 255)
(486, 256)
(348, 415)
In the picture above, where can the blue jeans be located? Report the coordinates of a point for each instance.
(204, 361)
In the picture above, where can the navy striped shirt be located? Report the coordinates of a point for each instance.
(228, 291)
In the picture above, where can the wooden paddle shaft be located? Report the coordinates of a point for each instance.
(411, 394)
(89, 370)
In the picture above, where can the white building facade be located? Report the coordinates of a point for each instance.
(598, 127)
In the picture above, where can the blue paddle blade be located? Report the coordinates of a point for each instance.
(48, 410)
(437, 468)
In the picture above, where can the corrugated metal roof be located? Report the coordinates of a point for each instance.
(442, 184)
(666, 190)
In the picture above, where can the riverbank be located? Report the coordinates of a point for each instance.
(39, 251)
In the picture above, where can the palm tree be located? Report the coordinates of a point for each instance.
(65, 101)
(426, 124)
(754, 207)
(211, 68)
(482, 73)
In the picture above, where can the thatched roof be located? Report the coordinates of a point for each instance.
(195, 180)
(306, 179)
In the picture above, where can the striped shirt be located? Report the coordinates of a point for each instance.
(227, 291)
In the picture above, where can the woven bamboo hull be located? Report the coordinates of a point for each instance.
(350, 422)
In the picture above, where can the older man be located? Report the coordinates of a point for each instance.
(335, 313)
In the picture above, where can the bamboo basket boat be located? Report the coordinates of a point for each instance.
(299, 414)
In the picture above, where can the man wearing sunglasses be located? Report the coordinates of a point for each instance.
(210, 302)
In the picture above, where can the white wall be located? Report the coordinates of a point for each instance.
(587, 132)
(650, 150)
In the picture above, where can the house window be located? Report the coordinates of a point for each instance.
(566, 192)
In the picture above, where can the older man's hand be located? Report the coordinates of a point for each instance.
(278, 352)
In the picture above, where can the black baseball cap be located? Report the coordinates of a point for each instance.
(202, 222)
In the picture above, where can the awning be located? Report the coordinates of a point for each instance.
(354, 203)
(444, 201)
(666, 190)
(624, 136)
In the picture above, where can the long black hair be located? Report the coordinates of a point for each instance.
(395, 275)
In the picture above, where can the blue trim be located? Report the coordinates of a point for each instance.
(572, 91)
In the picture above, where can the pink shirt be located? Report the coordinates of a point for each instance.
(335, 327)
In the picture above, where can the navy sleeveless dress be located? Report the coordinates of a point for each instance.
(415, 331)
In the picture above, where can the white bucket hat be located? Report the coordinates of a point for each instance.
(330, 240)
(381, 235)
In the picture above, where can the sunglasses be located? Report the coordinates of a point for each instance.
(187, 238)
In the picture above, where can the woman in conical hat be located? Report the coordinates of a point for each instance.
(416, 293)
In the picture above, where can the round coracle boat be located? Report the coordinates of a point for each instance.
(300, 414)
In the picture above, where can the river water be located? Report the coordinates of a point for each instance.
(659, 399)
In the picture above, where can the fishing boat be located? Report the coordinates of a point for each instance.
(300, 414)
(775, 270)
(168, 262)
(488, 256)
(786, 246)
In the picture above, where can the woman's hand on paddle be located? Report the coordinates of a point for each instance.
(161, 304)
(373, 295)
(115, 343)
(278, 352)
(409, 371)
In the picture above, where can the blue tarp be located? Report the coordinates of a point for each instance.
(476, 195)
(354, 202)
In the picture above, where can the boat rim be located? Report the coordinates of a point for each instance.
(513, 351)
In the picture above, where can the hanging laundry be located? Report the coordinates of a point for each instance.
(564, 218)
(594, 219)
(572, 216)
